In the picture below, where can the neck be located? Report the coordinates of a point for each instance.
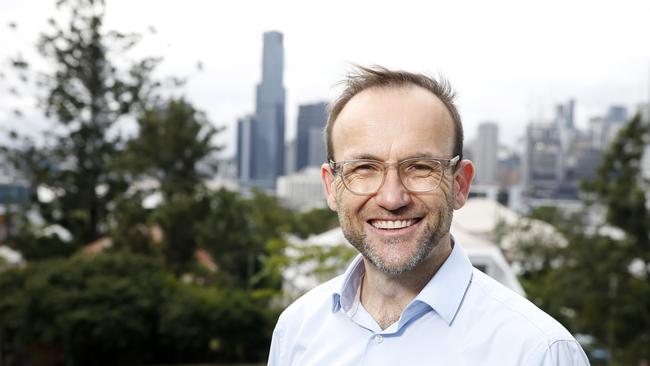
(385, 296)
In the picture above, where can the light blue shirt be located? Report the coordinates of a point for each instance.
(461, 317)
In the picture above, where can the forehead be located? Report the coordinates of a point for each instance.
(393, 123)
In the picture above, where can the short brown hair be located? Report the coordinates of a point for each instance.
(362, 78)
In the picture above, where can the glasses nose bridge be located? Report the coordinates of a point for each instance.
(387, 166)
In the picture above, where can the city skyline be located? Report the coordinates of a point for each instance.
(260, 137)
(510, 66)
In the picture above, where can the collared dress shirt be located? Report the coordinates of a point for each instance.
(461, 317)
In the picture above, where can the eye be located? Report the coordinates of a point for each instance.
(362, 168)
(366, 168)
(419, 166)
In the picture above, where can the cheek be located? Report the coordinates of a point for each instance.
(443, 197)
(349, 204)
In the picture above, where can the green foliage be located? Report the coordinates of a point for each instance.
(238, 231)
(94, 312)
(330, 260)
(599, 282)
(206, 323)
(125, 309)
(131, 229)
(85, 96)
(620, 187)
(3, 264)
(35, 242)
(314, 221)
(146, 299)
(172, 140)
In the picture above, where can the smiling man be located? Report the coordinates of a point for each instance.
(395, 175)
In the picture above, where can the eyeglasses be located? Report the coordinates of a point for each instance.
(365, 177)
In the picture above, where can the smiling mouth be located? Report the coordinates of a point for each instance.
(393, 224)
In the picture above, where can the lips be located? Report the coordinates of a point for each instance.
(392, 224)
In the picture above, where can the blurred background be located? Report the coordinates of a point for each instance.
(160, 195)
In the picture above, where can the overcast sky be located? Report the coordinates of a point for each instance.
(510, 61)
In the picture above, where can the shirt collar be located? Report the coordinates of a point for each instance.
(444, 293)
(345, 293)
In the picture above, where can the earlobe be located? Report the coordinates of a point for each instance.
(462, 182)
(327, 176)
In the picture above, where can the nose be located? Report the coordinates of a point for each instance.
(392, 195)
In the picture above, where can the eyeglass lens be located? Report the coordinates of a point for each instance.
(366, 177)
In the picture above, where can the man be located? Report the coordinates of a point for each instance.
(395, 174)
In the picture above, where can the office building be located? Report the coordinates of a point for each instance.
(302, 190)
(261, 153)
(542, 165)
(566, 132)
(245, 147)
(487, 145)
(310, 140)
(603, 129)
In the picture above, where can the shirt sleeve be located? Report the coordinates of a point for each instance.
(275, 352)
(561, 353)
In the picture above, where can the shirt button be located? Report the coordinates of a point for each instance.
(378, 338)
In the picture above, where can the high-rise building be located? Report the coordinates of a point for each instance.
(603, 129)
(565, 127)
(487, 145)
(302, 190)
(14, 185)
(261, 156)
(245, 148)
(617, 114)
(310, 143)
(542, 169)
(290, 157)
(616, 119)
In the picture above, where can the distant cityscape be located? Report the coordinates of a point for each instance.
(546, 169)
(556, 155)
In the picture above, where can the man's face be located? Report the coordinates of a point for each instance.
(394, 229)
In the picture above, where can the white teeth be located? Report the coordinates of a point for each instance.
(397, 224)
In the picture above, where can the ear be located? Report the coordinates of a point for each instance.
(462, 182)
(327, 177)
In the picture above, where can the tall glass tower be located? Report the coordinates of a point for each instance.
(268, 130)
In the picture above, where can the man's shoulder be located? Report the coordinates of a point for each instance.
(508, 319)
(511, 310)
(313, 303)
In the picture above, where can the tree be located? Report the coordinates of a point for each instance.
(622, 190)
(75, 310)
(314, 221)
(171, 152)
(125, 309)
(130, 304)
(85, 96)
(620, 187)
(239, 233)
(173, 140)
(599, 282)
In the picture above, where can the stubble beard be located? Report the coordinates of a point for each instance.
(433, 233)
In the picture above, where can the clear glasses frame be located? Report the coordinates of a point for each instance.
(338, 167)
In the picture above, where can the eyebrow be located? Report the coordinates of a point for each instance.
(366, 156)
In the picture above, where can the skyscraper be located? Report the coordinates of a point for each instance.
(310, 143)
(487, 145)
(565, 127)
(244, 147)
(542, 160)
(261, 160)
